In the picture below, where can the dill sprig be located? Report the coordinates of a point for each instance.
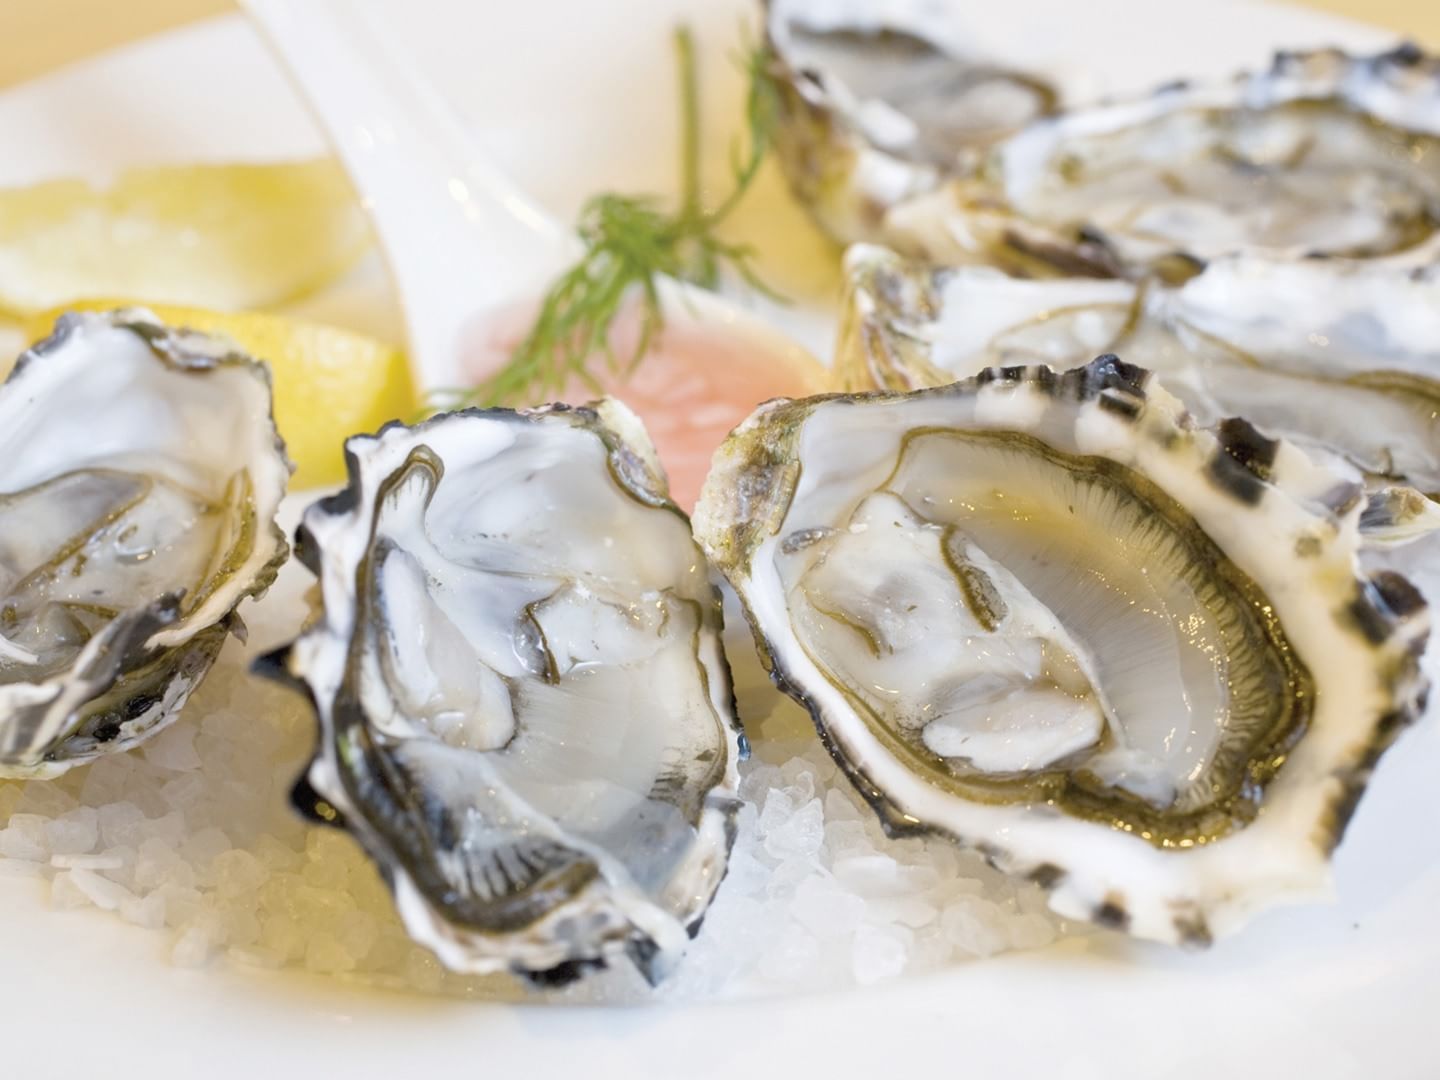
(630, 243)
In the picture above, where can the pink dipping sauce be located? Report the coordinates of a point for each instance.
(696, 383)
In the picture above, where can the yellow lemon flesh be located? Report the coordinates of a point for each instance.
(329, 383)
(226, 237)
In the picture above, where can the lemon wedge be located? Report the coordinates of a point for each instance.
(227, 237)
(329, 383)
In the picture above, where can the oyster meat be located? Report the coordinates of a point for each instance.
(525, 714)
(1324, 153)
(141, 476)
(1338, 356)
(878, 107)
(1043, 614)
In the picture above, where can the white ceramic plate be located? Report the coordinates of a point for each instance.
(574, 96)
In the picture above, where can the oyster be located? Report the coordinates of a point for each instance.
(874, 109)
(142, 472)
(525, 714)
(1337, 356)
(1045, 615)
(1323, 153)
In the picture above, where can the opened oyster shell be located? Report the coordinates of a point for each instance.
(1323, 153)
(1337, 356)
(141, 477)
(1045, 615)
(875, 110)
(525, 713)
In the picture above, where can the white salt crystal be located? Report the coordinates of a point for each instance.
(105, 780)
(283, 936)
(792, 957)
(120, 823)
(799, 777)
(932, 948)
(255, 956)
(182, 904)
(328, 871)
(759, 780)
(825, 909)
(239, 926)
(869, 875)
(192, 948)
(224, 724)
(74, 833)
(25, 837)
(975, 926)
(275, 854)
(184, 792)
(848, 838)
(19, 868)
(745, 874)
(147, 911)
(169, 828)
(87, 862)
(202, 846)
(155, 861)
(174, 749)
(103, 893)
(46, 798)
(879, 954)
(65, 895)
(961, 889)
(911, 911)
(119, 864)
(943, 858)
(1031, 931)
(798, 836)
(743, 925)
(909, 851)
(777, 810)
(324, 954)
(238, 872)
(786, 878)
(356, 931)
(919, 878)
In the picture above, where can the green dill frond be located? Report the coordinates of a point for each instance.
(630, 243)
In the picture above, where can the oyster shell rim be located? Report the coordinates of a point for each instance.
(1397, 87)
(532, 953)
(821, 149)
(192, 640)
(1386, 612)
(893, 307)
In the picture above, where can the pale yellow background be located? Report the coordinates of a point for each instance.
(38, 35)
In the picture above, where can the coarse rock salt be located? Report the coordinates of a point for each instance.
(238, 872)
(100, 890)
(826, 909)
(147, 911)
(800, 835)
(24, 838)
(120, 823)
(193, 834)
(174, 749)
(193, 948)
(880, 953)
(46, 799)
(73, 833)
(87, 862)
